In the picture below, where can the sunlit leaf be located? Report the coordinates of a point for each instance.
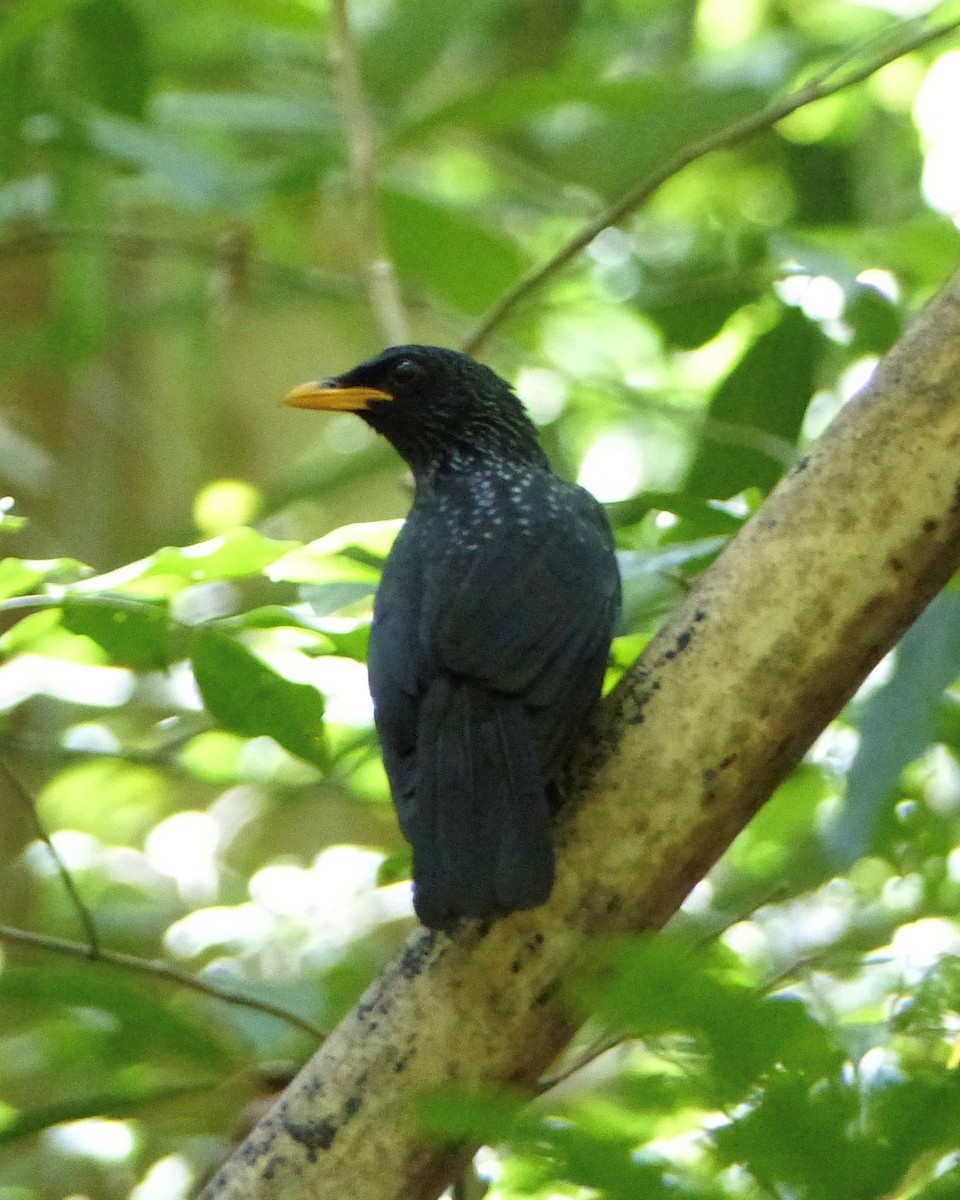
(142, 638)
(748, 441)
(230, 555)
(249, 697)
(427, 237)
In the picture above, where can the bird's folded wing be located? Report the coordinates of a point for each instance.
(529, 611)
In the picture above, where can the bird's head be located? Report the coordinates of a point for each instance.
(431, 404)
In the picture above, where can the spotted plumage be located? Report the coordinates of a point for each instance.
(491, 629)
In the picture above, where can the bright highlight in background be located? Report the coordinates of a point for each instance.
(935, 113)
(108, 1141)
(225, 504)
(613, 467)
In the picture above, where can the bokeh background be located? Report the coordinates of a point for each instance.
(179, 246)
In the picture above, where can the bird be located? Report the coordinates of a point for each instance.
(491, 632)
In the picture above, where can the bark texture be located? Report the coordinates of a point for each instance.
(774, 639)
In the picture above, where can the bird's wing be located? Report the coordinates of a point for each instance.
(397, 666)
(532, 617)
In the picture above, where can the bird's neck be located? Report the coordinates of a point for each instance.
(461, 461)
(478, 447)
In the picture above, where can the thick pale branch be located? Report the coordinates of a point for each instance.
(822, 581)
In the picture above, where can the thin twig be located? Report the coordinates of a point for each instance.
(158, 970)
(360, 133)
(816, 89)
(295, 279)
(90, 599)
(589, 1055)
(92, 949)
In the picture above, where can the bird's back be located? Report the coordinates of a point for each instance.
(491, 632)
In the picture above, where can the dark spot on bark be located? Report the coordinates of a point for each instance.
(417, 955)
(802, 464)
(930, 525)
(896, 564)
(312, 1135)
(515, 966)
(728, 762)
(670, 654)
(546, 995)
(709, 775)
(273, 1165)
(352, 1105)
(700, 615)
(253, 1148)
(709, 797)
(683, 640)
(401, 1064)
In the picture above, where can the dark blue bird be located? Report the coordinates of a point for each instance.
(491, 628)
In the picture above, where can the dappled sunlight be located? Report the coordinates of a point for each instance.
(241, 927)
(30, 675)
(190, 570)
(613, 468)
(169, 1178)
(108, 1141)
(185, 847)
(935, 109)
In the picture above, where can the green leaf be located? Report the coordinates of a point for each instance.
(816, 1159)
(196, 177)
(875, 320)
(110, 57)
(452, 254)
(656, 986)
(231, 555)
(247, 696)
(756, 413)
(897, 723)
(650, 577)
(141, 638)
(351, 554)
(126, 1101)
(20, 576)
(457, 1114)
(147, 1025)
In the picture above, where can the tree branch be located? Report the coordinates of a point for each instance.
(765, 650)
(739, 131)
(158, 970)
(308, 281)
(358, 125)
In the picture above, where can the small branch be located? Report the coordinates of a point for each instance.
(361, 138)
(97, 599)
(158, 970)
(584, 1059)
(816, 89)
(92, 949)
(295, 279)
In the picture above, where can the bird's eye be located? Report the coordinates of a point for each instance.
(407, 370)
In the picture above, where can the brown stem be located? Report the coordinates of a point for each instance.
(360, 132)
(739, 131)
(158, 970)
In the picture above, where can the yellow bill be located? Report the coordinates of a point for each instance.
(333, 398)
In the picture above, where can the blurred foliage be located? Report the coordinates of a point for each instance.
(177, 248)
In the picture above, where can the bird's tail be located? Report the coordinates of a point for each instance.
(481, 838)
